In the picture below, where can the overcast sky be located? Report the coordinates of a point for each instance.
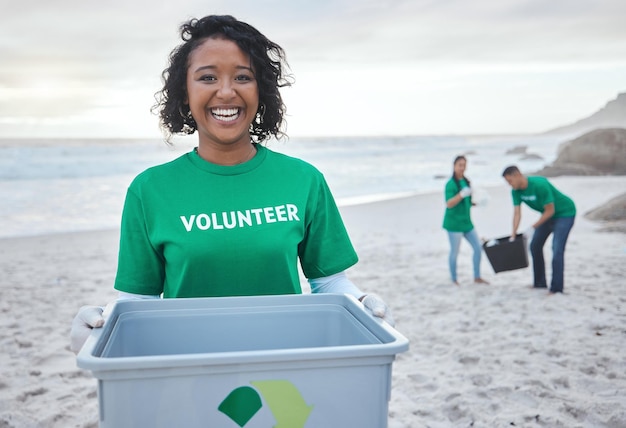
(90, 68)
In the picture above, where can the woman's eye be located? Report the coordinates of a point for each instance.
(207, 78)
(243, 78)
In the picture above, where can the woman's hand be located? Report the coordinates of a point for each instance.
(378, 308)
(465, 192)
(87, 318)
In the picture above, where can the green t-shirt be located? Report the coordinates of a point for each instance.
(539, 193)
(457, 218)
(195, 229)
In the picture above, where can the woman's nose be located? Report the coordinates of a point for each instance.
(226, 89)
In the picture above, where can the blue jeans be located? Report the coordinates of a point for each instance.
(455, 244)
(561, 228)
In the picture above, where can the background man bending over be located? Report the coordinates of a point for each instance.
(557, 216)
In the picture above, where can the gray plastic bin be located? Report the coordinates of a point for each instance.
(296, 361)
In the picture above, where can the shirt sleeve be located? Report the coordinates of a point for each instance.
(517, 200)
(140, 267)
(451, 190)
(326, 248)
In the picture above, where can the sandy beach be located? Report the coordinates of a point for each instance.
(481, 355)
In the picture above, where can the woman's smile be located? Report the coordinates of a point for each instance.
(225, 114)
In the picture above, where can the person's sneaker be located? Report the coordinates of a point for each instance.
(480, 281)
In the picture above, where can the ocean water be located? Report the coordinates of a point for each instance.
(52, 186)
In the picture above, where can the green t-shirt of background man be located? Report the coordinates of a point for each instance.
(457, 218)
(539, 193)
(195, 229)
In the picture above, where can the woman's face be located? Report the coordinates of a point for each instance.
(222, 92)
(459, 168)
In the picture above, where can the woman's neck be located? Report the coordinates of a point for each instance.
(227, 157)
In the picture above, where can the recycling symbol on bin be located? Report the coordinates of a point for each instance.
(282, 397)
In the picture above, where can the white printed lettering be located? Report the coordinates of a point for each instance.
(280, 213)
(269, 215)
(233, 221)
(188, 223)
(244, 218)
(257, 214)
(216, 225)
(292, 212)
(203, 222)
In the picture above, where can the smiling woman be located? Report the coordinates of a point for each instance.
(231, 217)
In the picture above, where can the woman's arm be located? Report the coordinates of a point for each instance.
(337, 283)
(454, 201)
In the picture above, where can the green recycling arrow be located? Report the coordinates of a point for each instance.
(241, 404)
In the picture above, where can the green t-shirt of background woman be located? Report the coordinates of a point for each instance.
(457, 218)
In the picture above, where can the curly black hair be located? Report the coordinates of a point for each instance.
(268, 61)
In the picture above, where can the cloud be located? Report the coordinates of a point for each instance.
(83, 59)
(461, 31)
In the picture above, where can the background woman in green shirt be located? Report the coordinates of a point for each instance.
(457, 220)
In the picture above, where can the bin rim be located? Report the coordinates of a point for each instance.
(391, 341)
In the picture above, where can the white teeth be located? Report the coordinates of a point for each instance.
(225, 114)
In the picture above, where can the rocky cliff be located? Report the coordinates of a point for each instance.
(599, 152)
(612, 115)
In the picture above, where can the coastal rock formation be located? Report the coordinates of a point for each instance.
(522, 151)
(612, 115)
(531, 156)
(599, 152)
(517, 150)
(612, 214)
